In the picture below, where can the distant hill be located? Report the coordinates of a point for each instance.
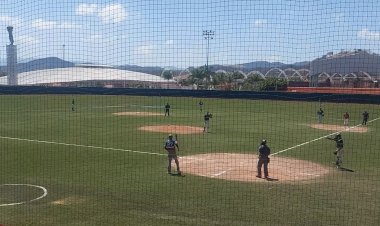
(41, 64)
(54, 62)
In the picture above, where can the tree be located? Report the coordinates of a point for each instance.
(198, 75)
(273, 84)
(167, 74)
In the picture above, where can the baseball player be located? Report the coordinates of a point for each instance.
(167, 109)
(73, 105)
(339, 149)
(200, 105)
(320, 115)
(264, 152)
(346, 118)
(365, 118)
(171, 146)
(206, 122)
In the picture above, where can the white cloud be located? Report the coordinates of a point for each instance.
(10, 21)
(369, 35)
(27, 40)
(169, 42)
(87, 9)
(145, 50)
(67, 25)
(41, 24)
(113, 13)
(93, 39)
(260, 22)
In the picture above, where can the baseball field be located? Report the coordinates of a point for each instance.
(104, 162)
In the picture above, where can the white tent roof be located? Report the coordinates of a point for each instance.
(73, 74)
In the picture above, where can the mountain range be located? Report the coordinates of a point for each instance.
(54, 62)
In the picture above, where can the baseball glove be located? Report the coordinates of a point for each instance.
(335, 152)
(268, 160)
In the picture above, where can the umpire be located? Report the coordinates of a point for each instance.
(264, 152)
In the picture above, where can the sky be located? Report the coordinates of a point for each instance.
(168, 33)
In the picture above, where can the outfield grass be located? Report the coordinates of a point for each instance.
(44, 143)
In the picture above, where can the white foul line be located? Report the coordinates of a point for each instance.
(221, 173)
(319, 138)
(80, 145)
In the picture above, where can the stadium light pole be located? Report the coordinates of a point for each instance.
(63, 58)
(208, 35)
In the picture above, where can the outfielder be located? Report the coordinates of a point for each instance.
(73, 105)
(264, 152)
(339, 149)
(170, 146)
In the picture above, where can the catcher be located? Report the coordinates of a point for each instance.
(339, 149)
(264, 152)
(170, 146)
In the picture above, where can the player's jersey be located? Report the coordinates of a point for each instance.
(365, 115)
(339, 142)
(170, 145)
(207, 117)
(346, 116)
(264, 151)
(167, 107)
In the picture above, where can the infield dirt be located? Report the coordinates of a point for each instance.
(242, 167)
(176, 129)
(329, 127)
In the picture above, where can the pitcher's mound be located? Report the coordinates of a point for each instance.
(355, 129)
(137, 113)
(179, 129)
(242, 167)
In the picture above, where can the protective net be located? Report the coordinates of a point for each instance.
(189, 112)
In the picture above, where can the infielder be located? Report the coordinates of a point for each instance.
(339, 149)
(206, 122)
(264, 152)
(365, 118)
(167, 109)
(346, 118)
(170, 146)
(320, 115)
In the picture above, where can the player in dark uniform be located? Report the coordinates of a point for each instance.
(339, 149)
(320, 114)
(206, 123)
(171, 146)
(264, 152)
(365, 118)
(200, 105)
(73, 105)
(167, 109)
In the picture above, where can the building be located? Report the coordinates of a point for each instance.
(89, 75)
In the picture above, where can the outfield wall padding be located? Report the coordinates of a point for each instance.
(288, 96)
